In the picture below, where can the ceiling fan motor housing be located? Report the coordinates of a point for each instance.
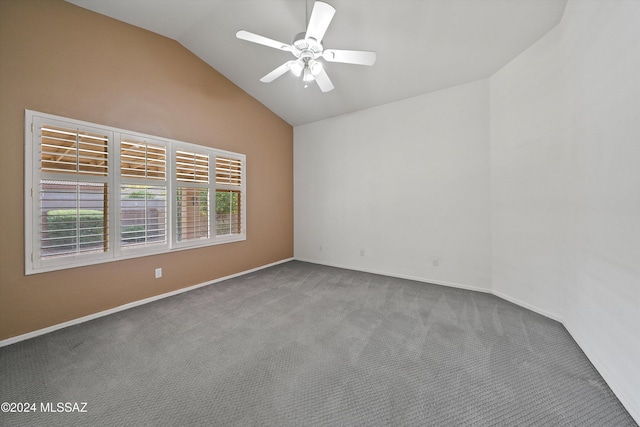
(306, 47)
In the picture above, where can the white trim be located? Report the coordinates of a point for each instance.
(399, 276)
(135, 253)
(28, 190)
(133, 304)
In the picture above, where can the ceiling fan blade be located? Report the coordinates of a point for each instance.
(358, 57)
(321, 17)
(324, 82)
(276, 73)
(255, 38)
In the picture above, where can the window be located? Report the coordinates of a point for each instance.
(96, 194)
(192, 196)
(72, 218)
(143, 193)
(228, 196)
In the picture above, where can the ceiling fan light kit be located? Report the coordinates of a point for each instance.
(308, 49)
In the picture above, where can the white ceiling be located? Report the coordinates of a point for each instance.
(422, 45)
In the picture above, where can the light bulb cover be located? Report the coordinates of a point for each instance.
(307, 76)
(315, 67)
(296, 68)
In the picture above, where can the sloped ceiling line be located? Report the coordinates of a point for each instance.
(422, 45)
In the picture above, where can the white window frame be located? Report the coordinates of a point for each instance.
(34, 264)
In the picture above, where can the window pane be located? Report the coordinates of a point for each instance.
(228, 213)
(192, 214)
(143, 216)
(73, 218)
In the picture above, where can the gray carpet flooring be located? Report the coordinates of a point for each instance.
(307, 345)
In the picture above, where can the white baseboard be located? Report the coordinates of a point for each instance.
(528, 306)
(582, 343)
(633, 407)
(398, 276)
(79, 320)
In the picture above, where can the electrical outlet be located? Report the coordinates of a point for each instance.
(436, 262)
(158, 273)
(320, 248)
(361, 252)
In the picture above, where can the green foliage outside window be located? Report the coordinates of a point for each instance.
(141, 194)
(63, 226)
(227, 212)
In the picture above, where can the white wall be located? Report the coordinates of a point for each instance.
(565, 184)
(530, 132)
(526, 185)
(406, 182)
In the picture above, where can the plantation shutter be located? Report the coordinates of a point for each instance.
(192, 195)
(73, 151)
(142, 160)
(94, 194)
(228, 171)
(143, 193)
(229, 203)
(192, 167)
(73, 197)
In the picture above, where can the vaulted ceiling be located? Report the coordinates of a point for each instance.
(422, 45)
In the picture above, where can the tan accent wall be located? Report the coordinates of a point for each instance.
(61, 59)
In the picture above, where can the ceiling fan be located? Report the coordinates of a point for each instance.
(308, 49)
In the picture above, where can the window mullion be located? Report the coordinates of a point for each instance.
(212, 197)
(116, 177)
(170, 185)
(172, 188)
(32, 197)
